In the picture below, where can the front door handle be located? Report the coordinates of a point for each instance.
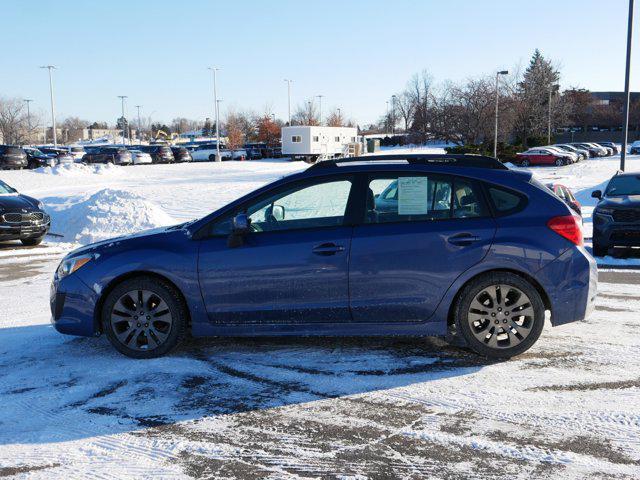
(463, 239)
(327, 249)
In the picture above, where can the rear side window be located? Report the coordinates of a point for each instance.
(506, 201)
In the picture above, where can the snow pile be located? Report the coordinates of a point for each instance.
(79, 169)
(106, 214)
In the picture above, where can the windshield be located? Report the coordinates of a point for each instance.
(623, 185)
(4, 188)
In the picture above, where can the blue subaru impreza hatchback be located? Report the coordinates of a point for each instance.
(387, 245)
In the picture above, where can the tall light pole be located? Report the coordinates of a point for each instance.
(28, 101)
(124, 125)
(386, 122)
(216, 104)
(289, 82)
(623, 152)
(138, 107)
(393, 114)
(53, 106)
(495, 133)
(552, 89)
(320, 106)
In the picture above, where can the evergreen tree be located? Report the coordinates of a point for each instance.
(538, 80)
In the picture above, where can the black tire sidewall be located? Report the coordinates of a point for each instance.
(164, 291)
(469, 292)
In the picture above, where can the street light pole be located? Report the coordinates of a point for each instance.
(215, 99)
(623, 152)
(320, 106)
(53, 106)
(495, 132)
(139, 122)
(124, 124)
(393, 114)
(387, 119)
(289, 97)
(28, 101)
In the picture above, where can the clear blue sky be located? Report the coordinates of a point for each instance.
(356, 53)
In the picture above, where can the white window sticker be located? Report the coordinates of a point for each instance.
(413, 196)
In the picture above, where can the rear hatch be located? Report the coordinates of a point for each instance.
(13, 156)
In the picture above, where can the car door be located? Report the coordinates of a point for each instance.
(292, 268)
(403, 259)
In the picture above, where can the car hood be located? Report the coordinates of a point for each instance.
(13, 202)
(124, 240)
(623, 201)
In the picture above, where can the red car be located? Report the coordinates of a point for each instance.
(566, 196)
(542, 156)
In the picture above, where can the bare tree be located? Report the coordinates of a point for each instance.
(234, 128)
(13, 121)
(335, 119)
(183, 125)
(306, 114)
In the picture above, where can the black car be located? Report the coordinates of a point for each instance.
(159, 153)
(21, 218)
(115, 155)
(616, 218)
(36, 158)
(610, 145)
(12, 157)
(181, 154)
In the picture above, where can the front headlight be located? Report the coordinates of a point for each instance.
(40, 205)
(70, 265)
(604, 211)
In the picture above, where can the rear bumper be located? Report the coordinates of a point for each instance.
(72, 307)
(571, 283)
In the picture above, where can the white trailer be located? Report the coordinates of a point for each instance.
(312, 143)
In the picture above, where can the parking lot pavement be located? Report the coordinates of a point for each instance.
(317, 407)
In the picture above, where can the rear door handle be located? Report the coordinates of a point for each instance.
(327, 249)
(463, 239)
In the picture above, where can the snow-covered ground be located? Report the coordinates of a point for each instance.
(256, 408)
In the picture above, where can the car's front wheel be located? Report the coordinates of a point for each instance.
(499, 315)
(144, 317)
(559, 162)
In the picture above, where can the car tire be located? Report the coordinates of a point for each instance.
(32, 242)
(492, 332)
(525, 163)
(600, 250)
(560, 162)
(144, 317)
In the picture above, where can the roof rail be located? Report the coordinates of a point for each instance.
(447, 159)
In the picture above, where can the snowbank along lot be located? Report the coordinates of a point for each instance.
(307, 408)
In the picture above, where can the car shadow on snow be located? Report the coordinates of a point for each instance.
(55, 388)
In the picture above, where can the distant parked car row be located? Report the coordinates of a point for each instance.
(565, 153)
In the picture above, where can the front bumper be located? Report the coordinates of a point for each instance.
(608, 233)
(72, 307)
(24, 230)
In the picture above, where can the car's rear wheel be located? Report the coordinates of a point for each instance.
(144, 317)
(499, 315)
(31, 242)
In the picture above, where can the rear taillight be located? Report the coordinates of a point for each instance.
(567, 226)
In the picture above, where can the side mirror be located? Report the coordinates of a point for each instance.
(278, 212)
(241, 224)
(597, 194)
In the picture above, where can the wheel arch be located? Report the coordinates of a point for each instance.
(97, 314)
(543, 294)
